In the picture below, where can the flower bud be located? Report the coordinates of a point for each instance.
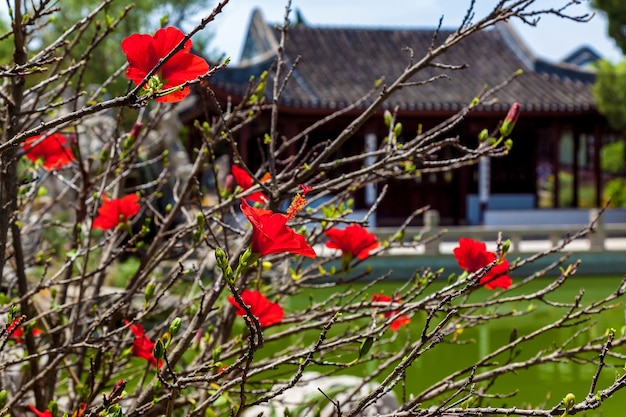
(569, 401)
(148, 293)
(200, 220)
(228, 274)
(166, 339)
(159, 349)
(197, 235)
(388, 118)
(397, 129)
(249, 258)
(220, 258)
(206, 129)
(483, 135)
(175, 326)
(229, 183)
(510, 120)
(506, 246)
(134, 132)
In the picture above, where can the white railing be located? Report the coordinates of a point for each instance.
(523, 238)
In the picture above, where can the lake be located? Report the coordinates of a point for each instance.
(543, 384)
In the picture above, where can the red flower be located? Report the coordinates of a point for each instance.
(266, 312)
(497, 276)
(114, 212)
(245, 181)
(46, 413)
(354, 240)
(16, 333)
(51, 149)
(270, 233)
(401, 320)
(143, 347)
(144, 52)
(473, 255)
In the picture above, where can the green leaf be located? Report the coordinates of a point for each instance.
(366, 345)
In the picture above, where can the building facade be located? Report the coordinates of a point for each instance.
(555, 159)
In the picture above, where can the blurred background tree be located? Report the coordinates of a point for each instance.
(118, 19)
(615, 11)
(610, 94)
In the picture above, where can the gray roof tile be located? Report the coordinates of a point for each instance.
(339, 65)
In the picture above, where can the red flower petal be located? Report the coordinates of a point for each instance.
(144, 52)
(16, 333)
(141, 56)
(497, 276)
(354, 240)
(114, 212)
(50, 149)
(245, 181)
(381, 298)
(472, 255)
(266, 312)
(400, 320)
(38, 413)
(271, 234)
(143, 347)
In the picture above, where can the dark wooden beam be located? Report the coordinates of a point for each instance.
(575, 166)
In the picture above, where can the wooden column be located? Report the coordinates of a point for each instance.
(556, 164)
(464, 175)
(575, 166)
(597, 169)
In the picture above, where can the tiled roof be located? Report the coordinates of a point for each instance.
(582, 56)
(339, 65)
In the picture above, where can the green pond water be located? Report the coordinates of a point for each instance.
(541, 385)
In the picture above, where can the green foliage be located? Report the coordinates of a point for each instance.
(616, 191)
(610, 87)
(615, 11)
(613, 161)
(123, 271)
(612, 157)
(610, 93)
(6, 44)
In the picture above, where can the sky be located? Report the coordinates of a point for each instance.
(552, 38)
